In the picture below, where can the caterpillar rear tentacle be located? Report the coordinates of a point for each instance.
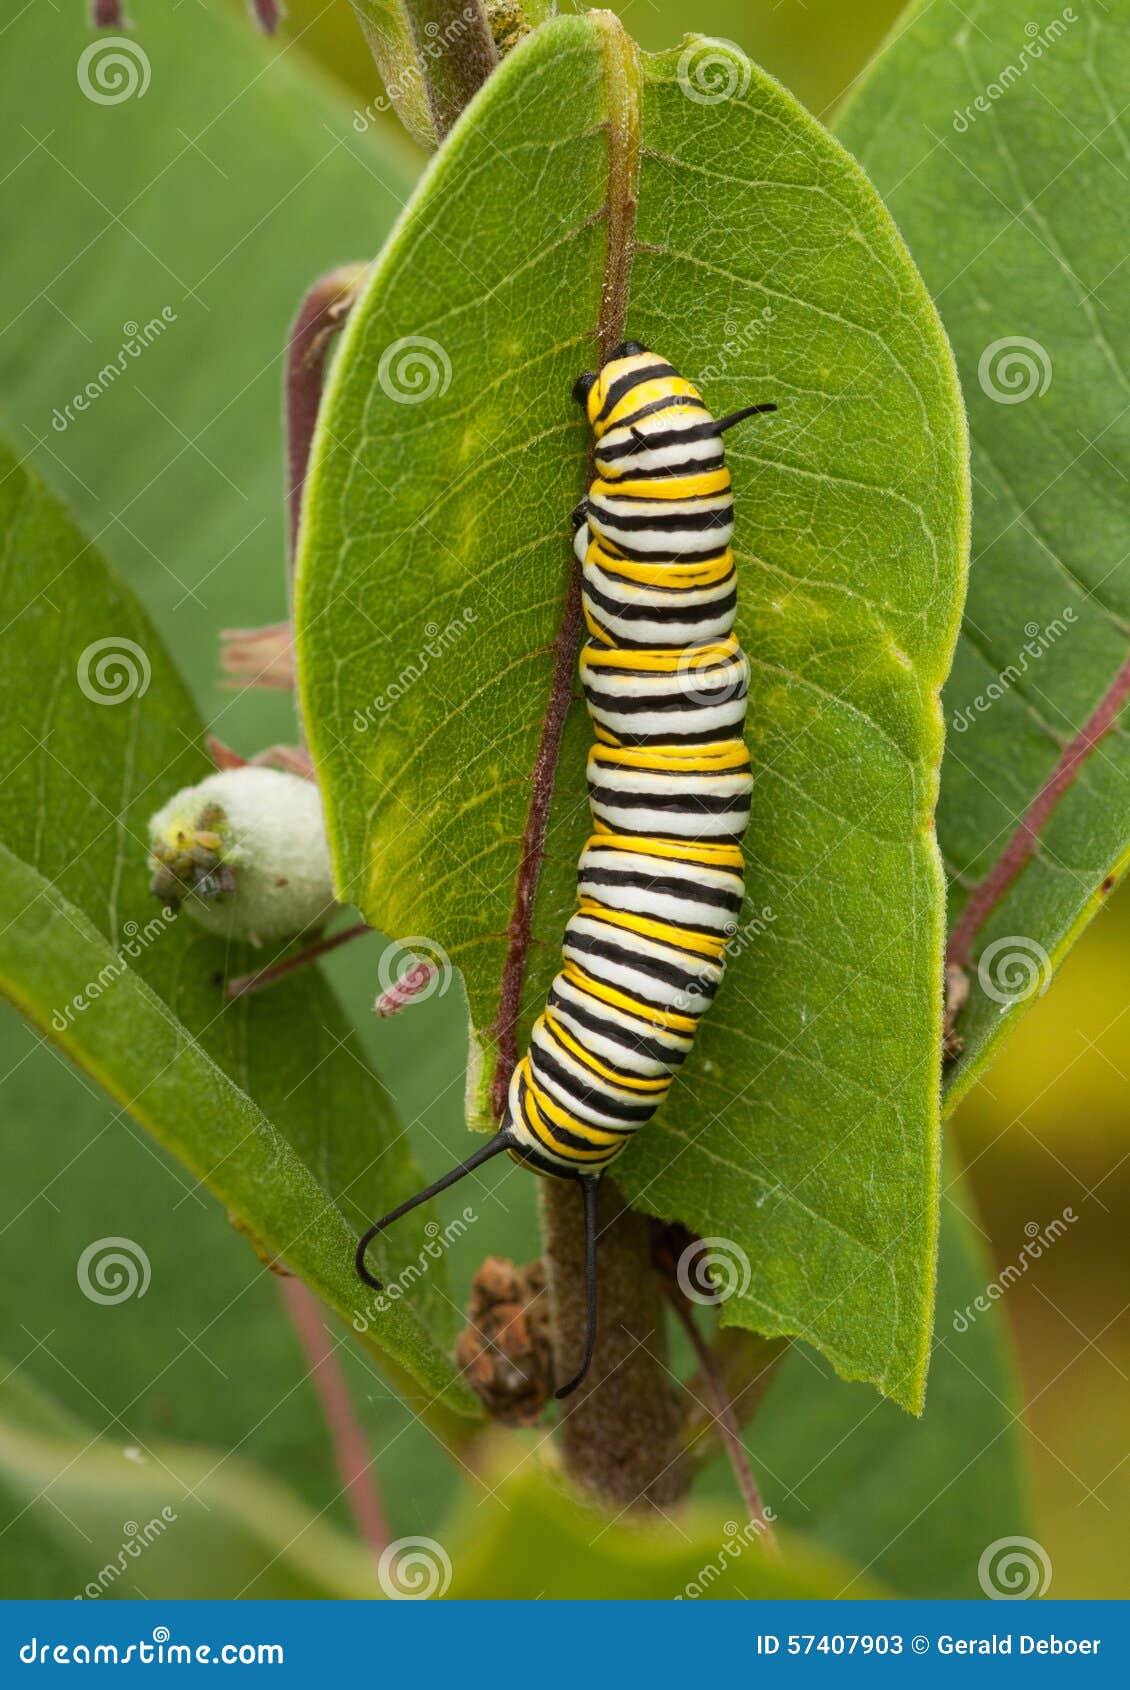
(660, 879)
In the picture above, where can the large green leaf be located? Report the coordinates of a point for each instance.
(98, 1518)
(435, 570)
(266, 1099)
(1000, 147)
(913, 1503)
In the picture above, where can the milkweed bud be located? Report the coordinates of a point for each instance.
(246, 853)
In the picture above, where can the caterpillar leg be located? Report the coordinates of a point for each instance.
(590, 1185)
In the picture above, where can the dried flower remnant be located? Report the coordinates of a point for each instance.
(505, 1349)
(258, 657)
(246, 853)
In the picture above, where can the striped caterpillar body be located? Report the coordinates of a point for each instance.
(660, 880)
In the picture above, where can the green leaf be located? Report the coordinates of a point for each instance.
(432, 584)
(176, 466)
(530, 1540)
(912, 1503)
(1007, 208)
(266, 1100)
(97, 1518)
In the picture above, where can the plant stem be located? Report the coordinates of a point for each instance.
(1021, 846)
(620, 1432)
(357, 1472)
(245, 983)
(456, 52)
(725, 1418)
(622, 95)
(321, 314)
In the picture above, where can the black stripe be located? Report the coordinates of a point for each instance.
(675, 611)
(633, 554)
(565, 1140)
(681, 401)
(638, 1042)
(668, 472)
(662, 704)
(625, 383)
(668, 973)
(679, 521)
(690, 891)
(592, 1096)
(671, 803)
(655, 439)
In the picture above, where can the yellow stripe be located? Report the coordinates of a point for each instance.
(588, 1060)
(564, 1118)
(660, 662)
(661, 931)
(702, 855)
(676, 759)
(671, 1020)
(706, 574)
(644, 393)
(667, 487)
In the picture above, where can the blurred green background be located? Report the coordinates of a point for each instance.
(1047, 1128)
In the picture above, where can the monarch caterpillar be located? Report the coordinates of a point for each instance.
(660, 880)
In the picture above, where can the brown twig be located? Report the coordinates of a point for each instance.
(357, 1472)
(622, 94)
(725, 1418)
(107, 14)
(320, 316)
(245, 983)
(987, 895)
(456, 53)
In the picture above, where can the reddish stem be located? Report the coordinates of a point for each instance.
(320, 316)
(622, 77)
(245, 983)
(987, 895)
(107, 14)
(725, 1419)
(354, 1467)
